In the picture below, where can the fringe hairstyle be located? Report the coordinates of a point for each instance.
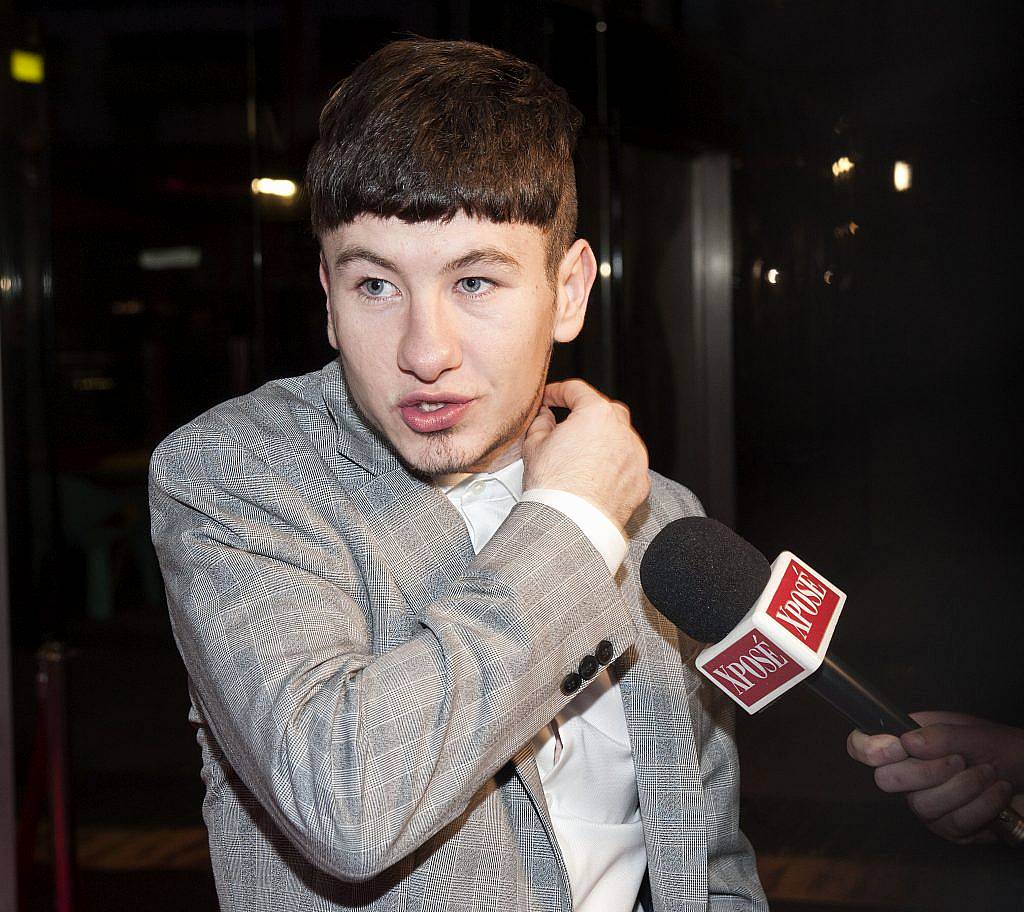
(423, 130)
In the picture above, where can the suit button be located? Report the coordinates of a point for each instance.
(604, 652)
(571, 683)
(588, 667)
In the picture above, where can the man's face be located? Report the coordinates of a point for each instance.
(445, 331)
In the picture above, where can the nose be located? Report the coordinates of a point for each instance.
(430, 343)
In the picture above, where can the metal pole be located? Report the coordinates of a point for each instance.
(8, 875)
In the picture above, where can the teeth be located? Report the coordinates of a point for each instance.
(431, 406)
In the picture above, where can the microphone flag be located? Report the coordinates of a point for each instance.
(780, 641)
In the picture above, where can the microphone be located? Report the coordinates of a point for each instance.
(770, 626)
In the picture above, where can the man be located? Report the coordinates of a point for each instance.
(422, 671)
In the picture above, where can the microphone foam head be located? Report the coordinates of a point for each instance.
(703, 576)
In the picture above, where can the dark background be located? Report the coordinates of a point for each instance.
(876, 415)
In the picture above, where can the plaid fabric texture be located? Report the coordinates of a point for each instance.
(364, 689)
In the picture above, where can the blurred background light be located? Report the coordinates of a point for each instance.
(773, 276)
(27, 66)
(158, 258)
(901, 176)
(272, 186)
(129, 308)
(841, 166)
(605, 269)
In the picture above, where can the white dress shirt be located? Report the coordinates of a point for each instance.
(584, 756)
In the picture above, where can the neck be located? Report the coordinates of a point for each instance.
(494, 461)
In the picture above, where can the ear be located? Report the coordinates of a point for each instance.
(325, 283)
(576, 274)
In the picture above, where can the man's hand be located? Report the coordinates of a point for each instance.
(957, 771)
(594, 453)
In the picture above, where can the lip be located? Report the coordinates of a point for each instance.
(414, 399)
(450, 414)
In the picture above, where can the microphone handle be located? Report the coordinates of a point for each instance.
(873, 714)
(864, 706)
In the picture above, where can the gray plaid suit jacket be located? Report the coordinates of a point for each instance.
(365, 689)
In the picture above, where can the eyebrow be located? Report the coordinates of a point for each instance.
(350, 254)
(489, 255)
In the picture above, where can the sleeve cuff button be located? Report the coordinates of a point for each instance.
(571, 683)
(588, 667)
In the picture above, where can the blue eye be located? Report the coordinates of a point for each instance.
(474, 285)
(378, 288)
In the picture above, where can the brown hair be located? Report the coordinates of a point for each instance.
(425, 129)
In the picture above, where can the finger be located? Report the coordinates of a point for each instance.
(571, 394)
(964, 823)
(912, 775)
(943, 717)
(941, 739)
(874, 750)
(955, 794)
(542, 425)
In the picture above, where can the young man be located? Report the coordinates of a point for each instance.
(422, 671)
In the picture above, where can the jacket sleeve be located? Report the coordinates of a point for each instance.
(361, 757)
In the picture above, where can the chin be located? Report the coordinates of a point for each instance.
(439, 455)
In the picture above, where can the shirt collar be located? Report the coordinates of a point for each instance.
(510, 478)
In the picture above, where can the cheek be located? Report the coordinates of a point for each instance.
(362, 359)
(521, 361)
(360, 340)
(522, 341)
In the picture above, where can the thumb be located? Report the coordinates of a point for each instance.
(942, 739)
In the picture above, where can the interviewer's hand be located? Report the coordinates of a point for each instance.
(957, 771)
(594, 453)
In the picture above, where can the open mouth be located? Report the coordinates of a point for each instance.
(428, 415)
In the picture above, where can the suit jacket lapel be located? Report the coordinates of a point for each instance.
(422, 537)
(525, 763)
(658, 696)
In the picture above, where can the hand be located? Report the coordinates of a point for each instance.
(594, 453)
(957, 771)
